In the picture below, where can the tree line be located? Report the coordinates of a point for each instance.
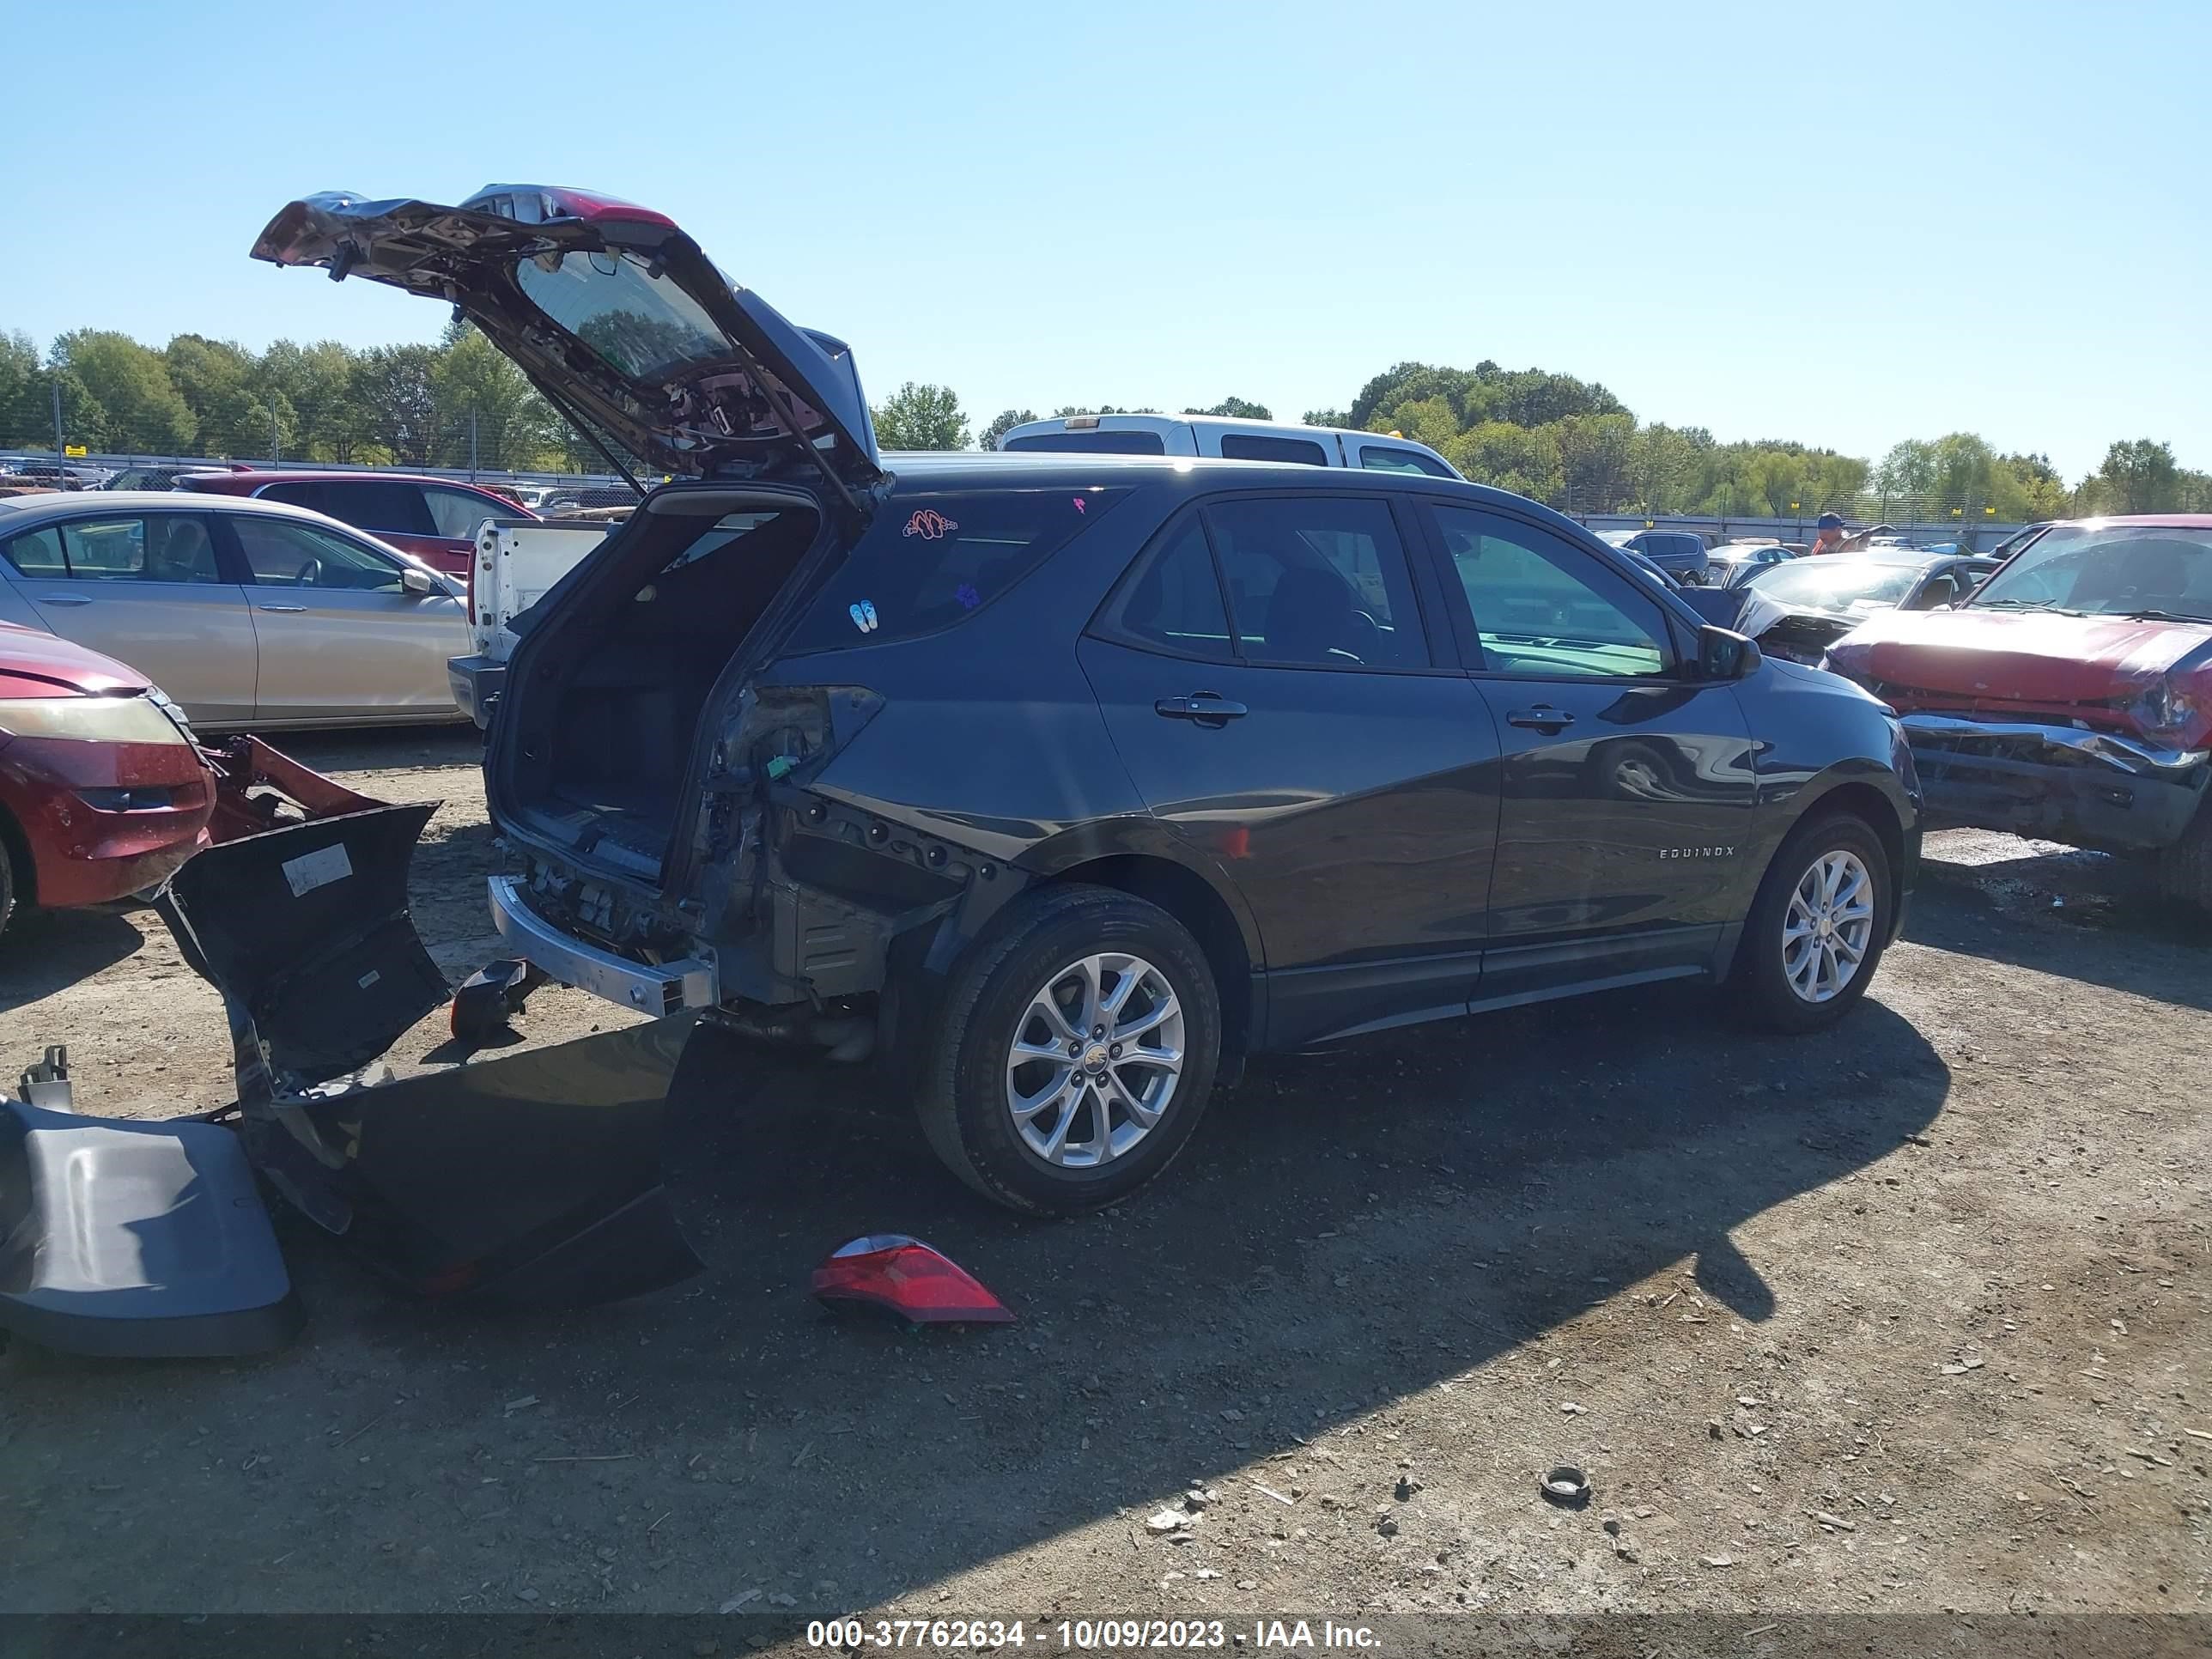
(1558, 439)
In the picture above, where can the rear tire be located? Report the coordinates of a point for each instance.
(2185, 869)
(1792, 974)
(1076, 1052)
(9, 884)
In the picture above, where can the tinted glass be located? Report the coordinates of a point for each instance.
(159, 548)
(1175, 602)
(1385, 458)
(366, 504)
(1252, 446)
(1093, 443)
(1318, 581)
(39, 554)
(1542, 605)
(928, 560)
(458, 514)
(281, 554)
(643, 326)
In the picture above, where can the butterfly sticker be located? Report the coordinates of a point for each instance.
(929, 524)
(1080, 506)
(968, 598)
(863, 615)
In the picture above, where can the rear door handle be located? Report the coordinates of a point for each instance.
(65, 598)
(290, 609)
(1203, 707)
(1542, 718)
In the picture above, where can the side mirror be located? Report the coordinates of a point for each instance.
(1725, 654)
(417, 582)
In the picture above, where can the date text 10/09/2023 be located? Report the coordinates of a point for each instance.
(1091, 1635)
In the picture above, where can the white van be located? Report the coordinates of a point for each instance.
(1228, 439)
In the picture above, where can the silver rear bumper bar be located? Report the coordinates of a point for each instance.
(658, 989)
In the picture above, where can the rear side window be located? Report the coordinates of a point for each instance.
(370, 504)
(1388, 458)
(38, 555)
(1093, 443)
(1174, 602)
(1318, 581)
(929, 561)
(458, 514)
(1255, 446)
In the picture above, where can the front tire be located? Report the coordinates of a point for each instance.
(2185, 869)
(1077, 1050)
(1817, 926)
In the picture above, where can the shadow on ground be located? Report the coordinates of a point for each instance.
(49, 950)
(1344, 1231)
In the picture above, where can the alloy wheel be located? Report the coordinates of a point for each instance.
(1094, 1061)
(1827, 927)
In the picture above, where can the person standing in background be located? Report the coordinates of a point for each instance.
(1830, 536)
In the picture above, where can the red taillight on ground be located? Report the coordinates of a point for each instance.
(904, 1275)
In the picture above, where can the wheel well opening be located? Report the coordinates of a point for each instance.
(1192, 901)
(1865, 802)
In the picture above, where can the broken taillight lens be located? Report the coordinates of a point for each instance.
(904, 1275)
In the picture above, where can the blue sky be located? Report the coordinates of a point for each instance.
(1848, 225)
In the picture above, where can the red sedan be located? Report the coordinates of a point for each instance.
(102, 792)
(435, 520)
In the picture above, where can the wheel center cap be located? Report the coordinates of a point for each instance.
(1094, 1058)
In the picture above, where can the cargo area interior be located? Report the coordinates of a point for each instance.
(600, 764)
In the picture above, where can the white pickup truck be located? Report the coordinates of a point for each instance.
(516, 560)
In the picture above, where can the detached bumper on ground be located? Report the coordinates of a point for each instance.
(2062, 782)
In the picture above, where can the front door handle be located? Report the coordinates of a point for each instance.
(1204, 707)
(290, 610)
(65, 598)
(1542, 718)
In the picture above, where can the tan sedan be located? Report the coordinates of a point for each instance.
(246, 612)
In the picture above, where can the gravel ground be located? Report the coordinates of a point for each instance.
(1910, 1317)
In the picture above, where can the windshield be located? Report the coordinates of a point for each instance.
(1835, 583)
(641, 324)
(2108, 570)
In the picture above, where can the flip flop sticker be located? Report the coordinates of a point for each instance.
(929, 524)
(863, 614)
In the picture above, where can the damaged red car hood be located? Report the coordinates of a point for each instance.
(35, 665)
(1975, 660)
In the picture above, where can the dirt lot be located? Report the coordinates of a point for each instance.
(1912, 1316)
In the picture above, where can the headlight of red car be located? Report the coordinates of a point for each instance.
(90, 719)
(2165, 708)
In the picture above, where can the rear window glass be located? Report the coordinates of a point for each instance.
(367, 503)
(1093, 443)
(928, 560)
(1252, 446)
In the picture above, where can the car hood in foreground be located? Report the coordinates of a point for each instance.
(35, 665)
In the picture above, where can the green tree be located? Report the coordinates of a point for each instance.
(238, 411)
(1663, 467)
(1238, 409)
(1511, 457)
(2139, 475)
(1428, 421)
(1340, 418)
(918, 416)
(396, 388)
(514, 428)
(1001, 423)
(25, 413)
(316, 382)
(128, 401)
(1595, 455)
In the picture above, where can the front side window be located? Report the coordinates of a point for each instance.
(1174, 602)
(457, 513)
(1318, 581)
(2111, 570)
(1543, 606)
(930, 560)
(1257, 446)
(1388, 458)
(166, 547)
(282, 554)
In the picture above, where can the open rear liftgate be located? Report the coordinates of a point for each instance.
(536, 1178)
